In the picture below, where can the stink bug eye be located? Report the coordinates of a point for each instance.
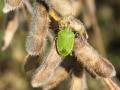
(65, 41)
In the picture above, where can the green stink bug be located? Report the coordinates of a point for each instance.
(65, 41)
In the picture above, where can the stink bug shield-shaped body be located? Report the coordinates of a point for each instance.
(65, 41)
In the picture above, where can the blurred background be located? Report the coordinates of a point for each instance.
(12, 74)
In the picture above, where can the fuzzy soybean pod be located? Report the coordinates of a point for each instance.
(47, 68)
(10, 5)
(92, 60)
(36, 38)
(65, 7)
(65, 41)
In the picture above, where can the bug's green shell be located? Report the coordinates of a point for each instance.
(65, 41)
